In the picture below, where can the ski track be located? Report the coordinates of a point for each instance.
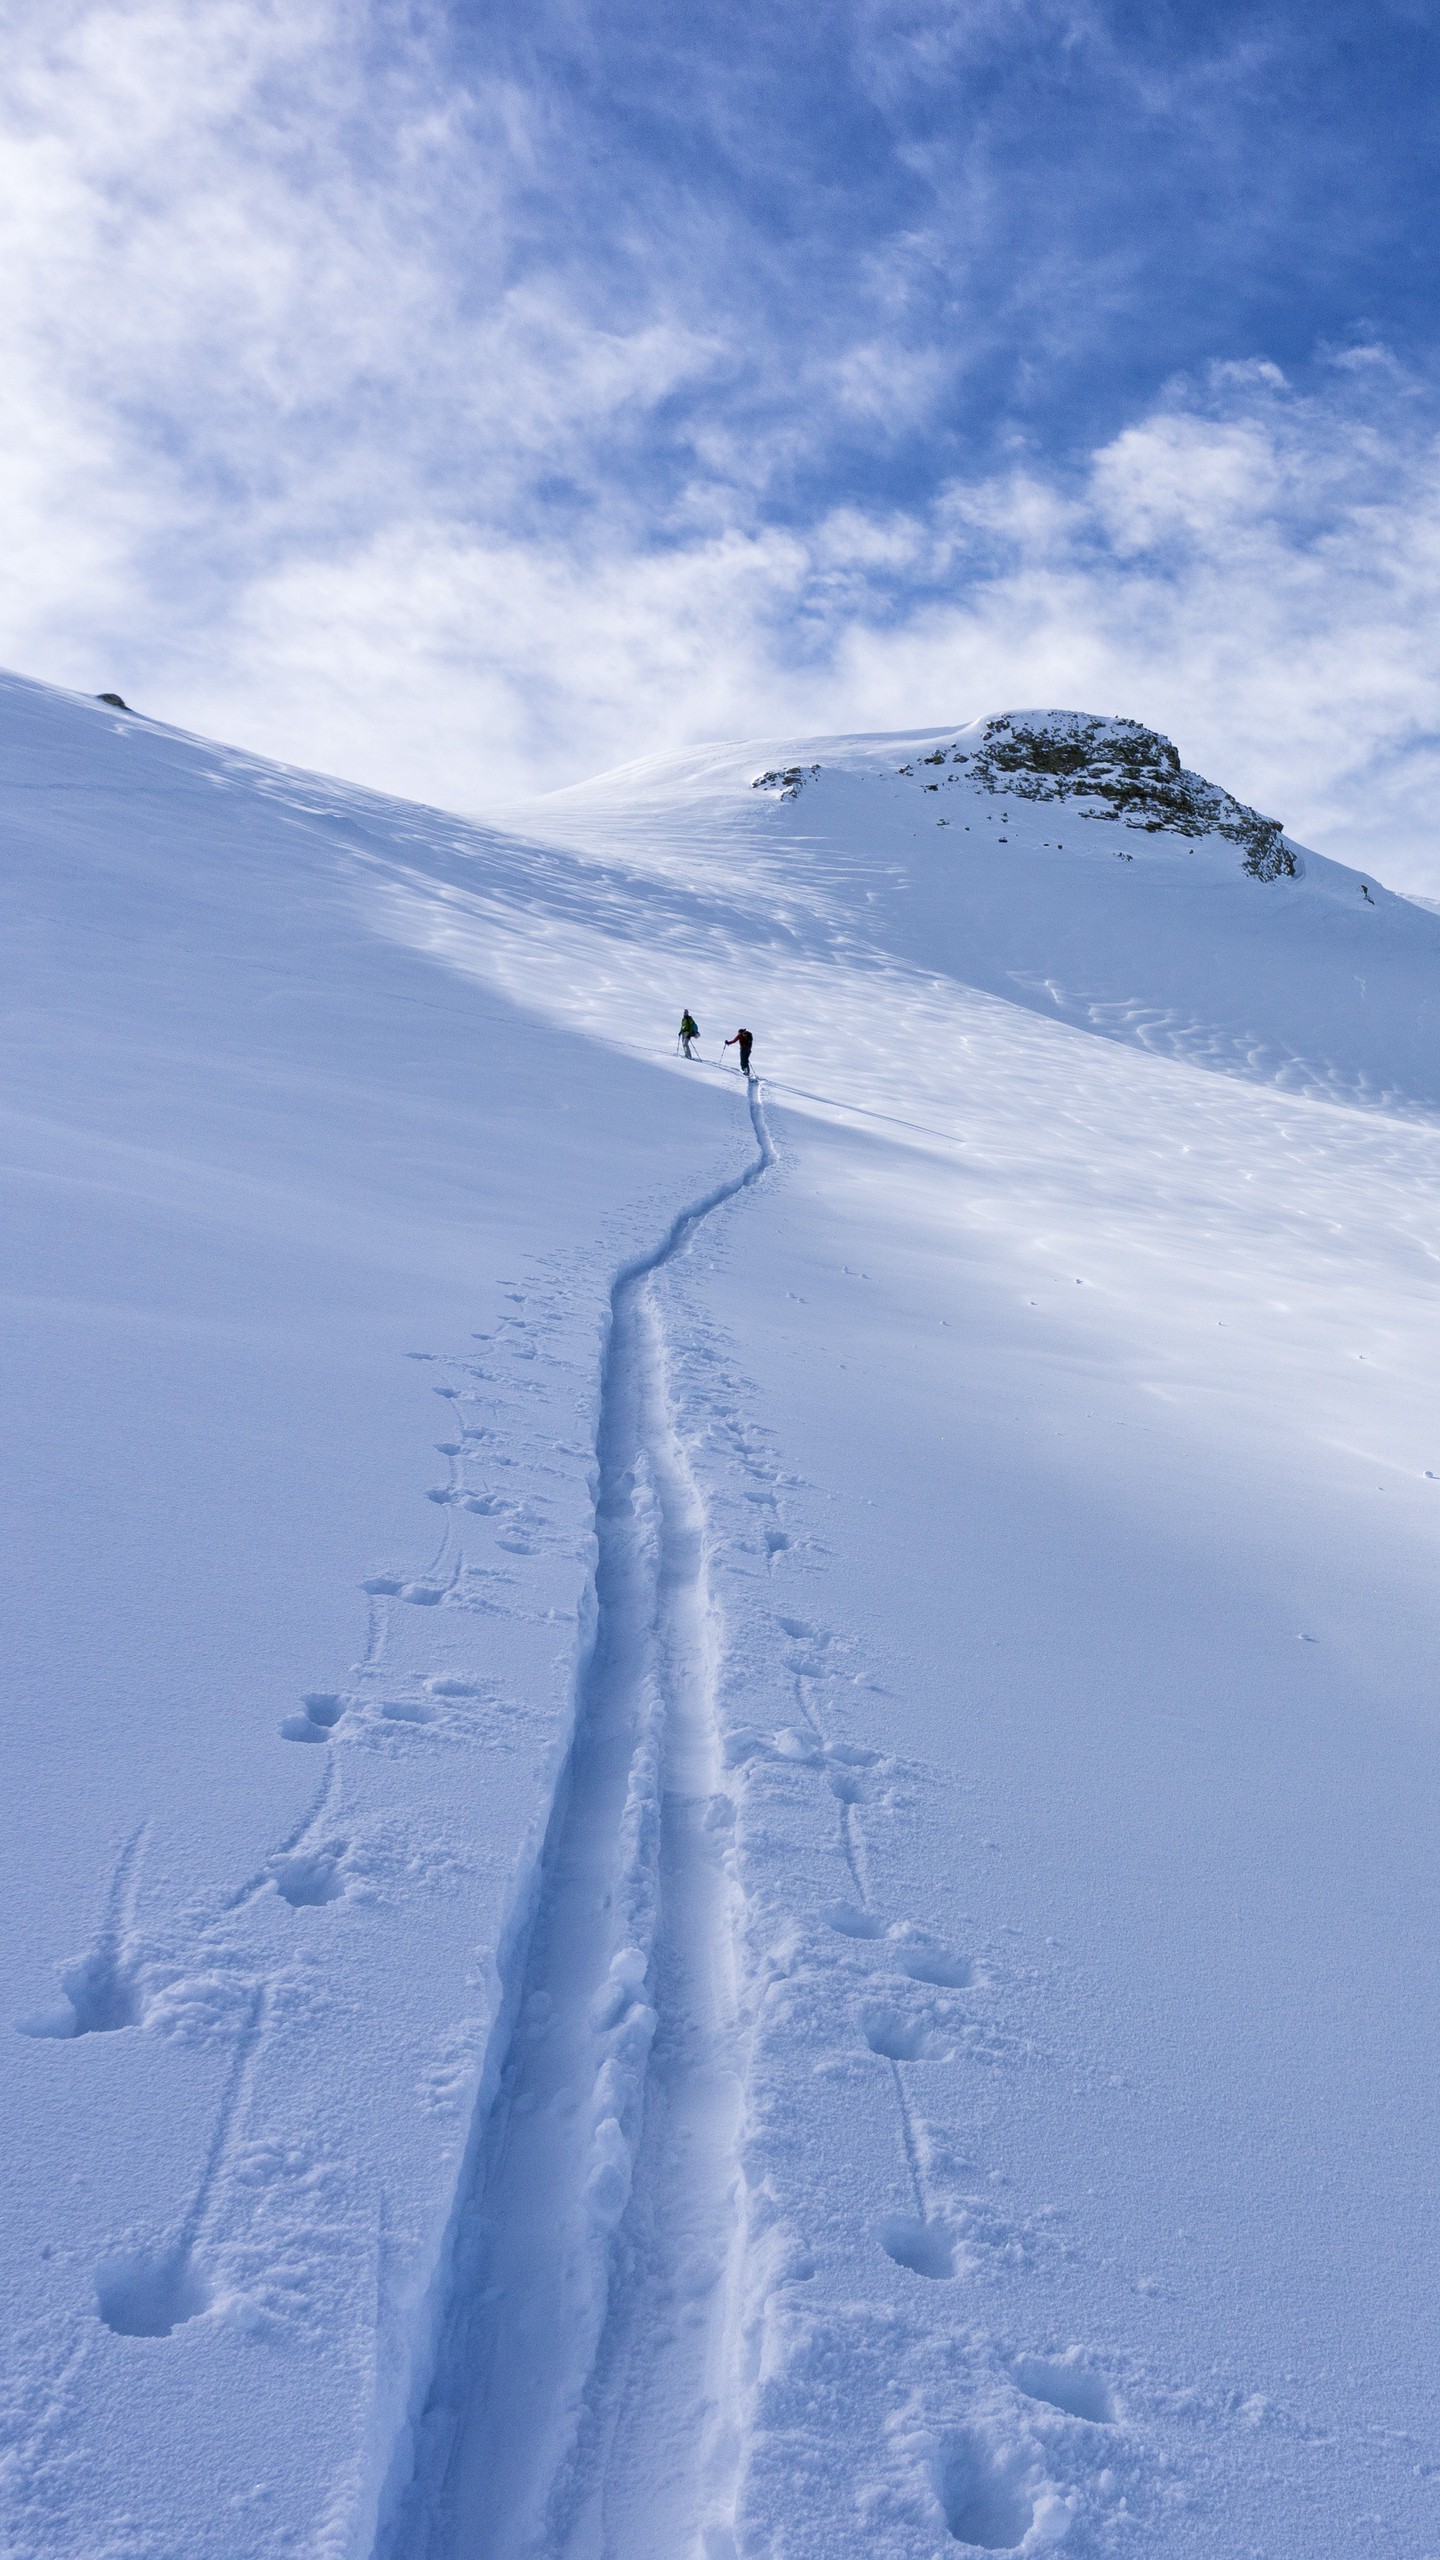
(578, 2405)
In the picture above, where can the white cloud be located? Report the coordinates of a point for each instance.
(465, 672)
(1257, 575)
(1301, 666)
(1185, 479)
(307, 443)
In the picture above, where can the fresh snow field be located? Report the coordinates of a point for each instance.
(722, 1806)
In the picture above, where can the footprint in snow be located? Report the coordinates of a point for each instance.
(845, 1765)
(924, 2248)
(983, 2495)
(844, 1778)
(99, 1996)
(1066, 2384)
(851, 1923)
(309, 1876)
(388, 1586)
(456, 1498)
(902, 2037)
(320, 1713)
(100, 1992)
(147, 2294)
(934, 1965)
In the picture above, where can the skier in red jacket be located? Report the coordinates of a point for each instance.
(746, 1040)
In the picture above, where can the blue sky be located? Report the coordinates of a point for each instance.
(469, 398)
(1052, 210)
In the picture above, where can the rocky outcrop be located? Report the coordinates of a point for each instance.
(1120, 770)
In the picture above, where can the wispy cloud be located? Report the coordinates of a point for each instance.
(467, 404)
(1254, 571)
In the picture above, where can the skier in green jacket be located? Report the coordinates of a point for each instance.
(689, 1030)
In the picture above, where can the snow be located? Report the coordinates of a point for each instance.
(721, 1805)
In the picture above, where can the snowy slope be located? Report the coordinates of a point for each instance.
(840, 1959)
(886, 851)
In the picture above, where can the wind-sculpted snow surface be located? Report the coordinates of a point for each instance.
(704, 1867)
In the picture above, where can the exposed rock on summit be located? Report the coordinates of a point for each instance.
(1133, 773)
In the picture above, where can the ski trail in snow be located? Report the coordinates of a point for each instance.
(573, 2408)
(654, 2446)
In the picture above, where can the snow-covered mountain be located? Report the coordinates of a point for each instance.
(1063, 864)
(721, 1801)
